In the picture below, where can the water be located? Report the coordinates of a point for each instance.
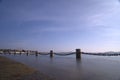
(90, 67)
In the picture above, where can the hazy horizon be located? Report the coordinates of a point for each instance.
(60, 25)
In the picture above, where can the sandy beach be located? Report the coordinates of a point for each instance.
(12, 70)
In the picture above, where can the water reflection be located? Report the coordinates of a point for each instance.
(78, 62)
(51, 59)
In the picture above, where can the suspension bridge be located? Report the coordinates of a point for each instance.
(52, 54)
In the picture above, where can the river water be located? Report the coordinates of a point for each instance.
(89, 67)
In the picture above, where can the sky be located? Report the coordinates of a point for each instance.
(60, 25)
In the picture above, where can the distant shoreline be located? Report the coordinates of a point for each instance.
(12, 70)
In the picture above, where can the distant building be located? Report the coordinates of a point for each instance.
(1, 51)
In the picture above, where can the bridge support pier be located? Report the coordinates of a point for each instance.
(36, 53)
(27, 53)
(51, 53)
(78, 54)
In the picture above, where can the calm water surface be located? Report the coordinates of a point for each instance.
(90, 67)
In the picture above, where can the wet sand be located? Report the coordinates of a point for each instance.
(12, 70)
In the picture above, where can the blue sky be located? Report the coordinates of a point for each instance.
(61, 25)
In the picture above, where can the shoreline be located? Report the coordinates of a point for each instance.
(12, 70)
